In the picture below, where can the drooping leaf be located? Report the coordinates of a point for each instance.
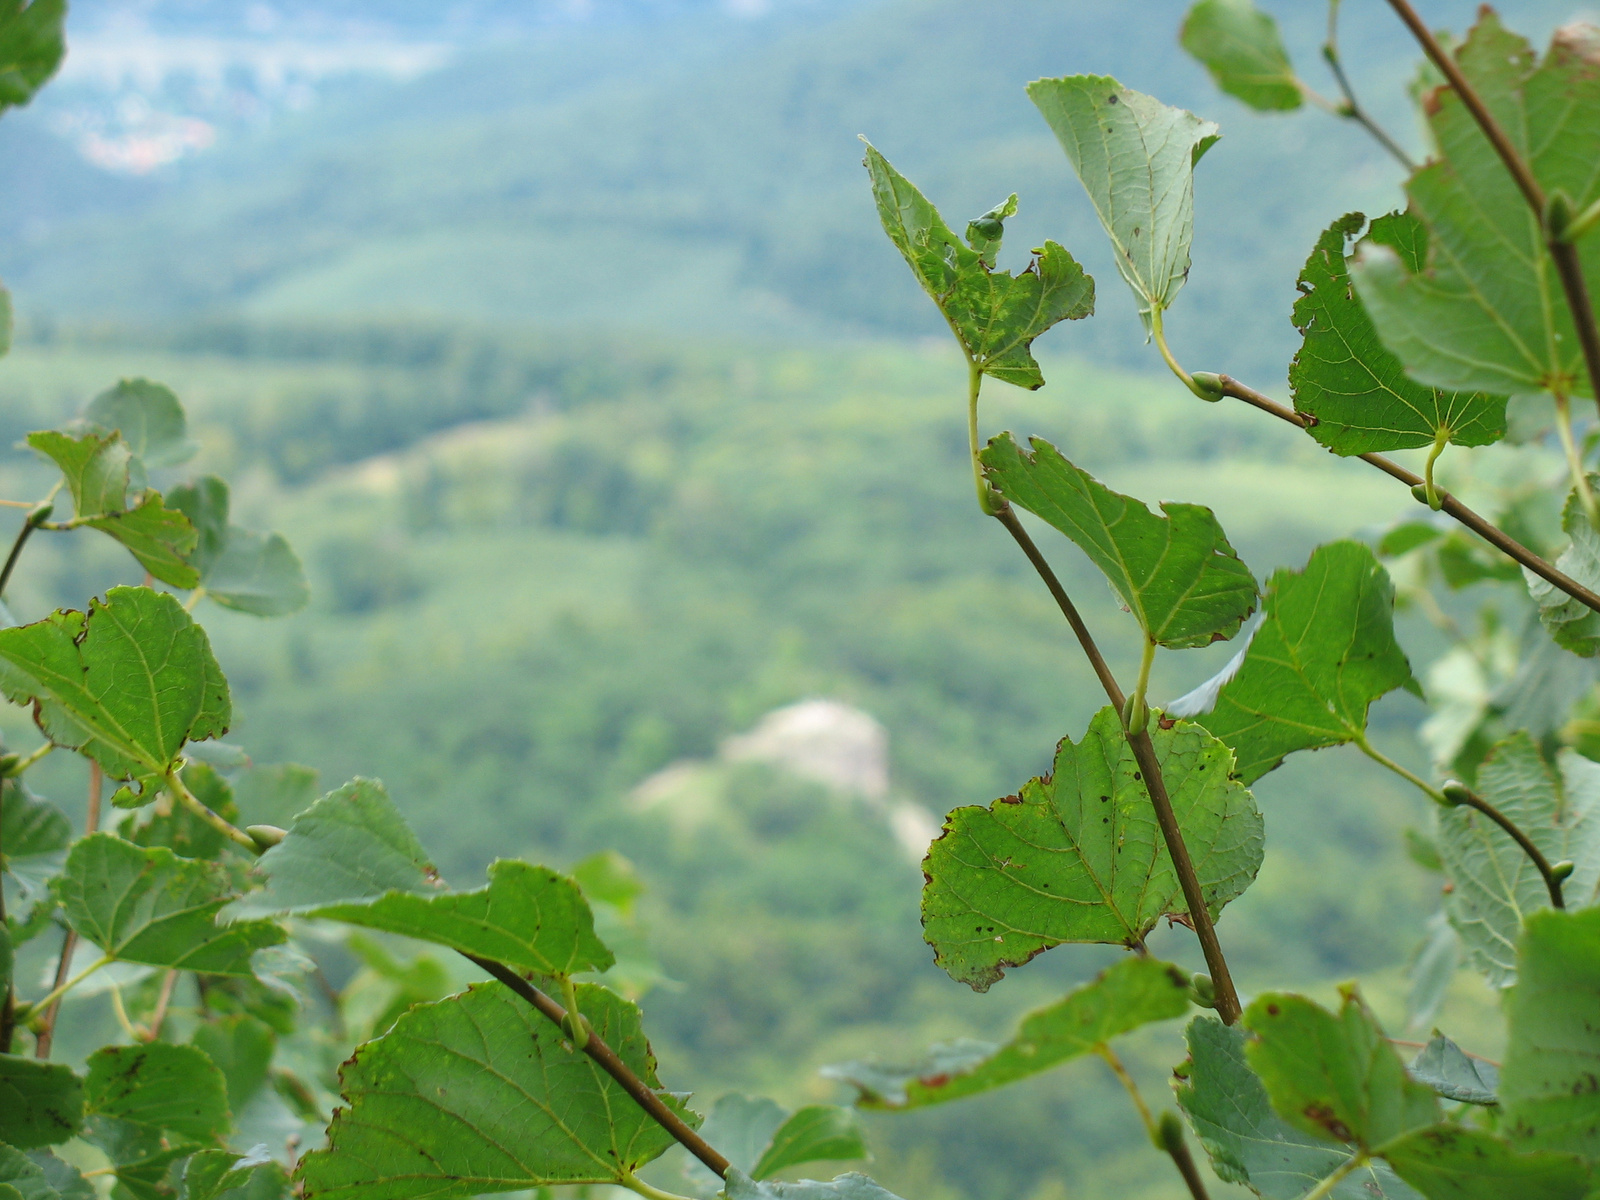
(127, 684)
(1452, 1162)
(478, 1093)
(1241, 47)
(851, 1186)
(1134, 993)
(147, 905)
(1448, 1070)
(41, 1103)
(174, 1089)
(1247, 1141)
(995, 315)
(1334, 1075)
(815, 1133)
(1574, 625)
(1495, 884)
(240, 569)
(1323, 653)
(32, 44)
(150, 419)
(1487, 312)
(223, 1175)
(1552, 1062)
(1175, 572)
(1135, 157)
(1078, 857)
(241, 1047)
(1348, 382)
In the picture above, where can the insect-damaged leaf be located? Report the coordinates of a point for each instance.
(1175, 572)
(239, 569)
(1453, 1162)
(1324, 651)
(994, 315)
(167, 1088)
(1241, 47)
(1134, 993)
(1487, 312)
(1348, 382)
(479, 1093)
(1078, 856)
(1495, 885)
(1135, 157)
(32, 44)
(1247, 1142)
(41, 1103)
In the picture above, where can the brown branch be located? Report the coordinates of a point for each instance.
(1352, 108)
(1170, 1135)
(69, 943)
(1565, 255)
(1496, 537)
(1144, 753)
(1457, 794)
(613, 1066)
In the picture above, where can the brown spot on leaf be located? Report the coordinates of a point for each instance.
(1324, 1116)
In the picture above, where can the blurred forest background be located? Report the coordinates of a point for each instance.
(562, 342)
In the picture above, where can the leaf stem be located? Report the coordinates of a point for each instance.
(1441, 439)
(195, 597)
(1497, 538)
(606, 1057)
(163, 1001)
(29, 523)
(1136, 715)
(1583, 223)
(1144, 752)
(1325, 1188)
(1384, 760)
(986, 498)
(62, 989)
(1352, 107)
(69, 942)
(187, 798)
(633, 1183)
(1166, 1134)
(120, 1011)
(574, 1023)
(1132, 1088)
(28, 760)
(1160, 336)
(1557, 240)
(1552, 882)
(1569, 447)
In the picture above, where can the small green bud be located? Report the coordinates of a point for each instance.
(1558, 215)
(1435, 501)
(1207, 385)
(1169, 1133)
(1456, 793)
(1560, 870)
(1135, 714)
(9, 764)
(41, 513)
(990, 228)
(266, 836)
(1205, 992)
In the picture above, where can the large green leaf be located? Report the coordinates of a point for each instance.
(127, 684)
(32, 43)
(1334, 1075)
(850, 1186)
(42, 1176)
(1176, 572)
(1495, 885)
(1487, 311)
(1134, 993)
(1353, 388)
(240, 569)
(1548, 1084)
(147, 905)
(41, 1104)
(173, 1089)
(1136, 159)
(994, 315)
(1078, 857)
(1324, 651)
(479, 1093)
(1573, 624)
(1241, 47)
(241, 1046)
(1247, 1142)
(150, 419)
(1450, 1162)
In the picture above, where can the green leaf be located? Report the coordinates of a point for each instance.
(1325, 650)
(42, 1176)
(741, 1128)
(150, 419)
(994, 315)
(160, 538)
(179, 829)
(1356, 391)
(1552, 1062)
(1078, 857)
(1451, 1162)
(63, 1179)
(241, 1046)
(126, 685)
(174, 1089)
(1444, 1067)
(32, 44)
(223, 1175)
(479, 1093)
(1574, 625)
(850, 1186)
(8, 961)
(350, 847)
(94, 465)
(1247, 1142)
(1487, 312)
(1496, 886)
(34, 836)
(141, 1157)
(1334, 1075)
(1432, 967)
(1135, 157)
(41, 1103)
(815, 1133)
(1176, 572)
(251, 572)
(1127, 996)
(1241, 47)
(275, 794)
(147, 905)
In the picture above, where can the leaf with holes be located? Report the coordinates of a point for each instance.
(1241, 46)
(1078, 857)
(1175, 572)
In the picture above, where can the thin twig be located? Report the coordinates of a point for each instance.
(1563, 252)
(159, 1016)
(1497, 538)
(1352, 107)
(1470, 799)
(29, 524)
(187, 798)
(613, 1066)
(1144, 753)
(69, 943)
